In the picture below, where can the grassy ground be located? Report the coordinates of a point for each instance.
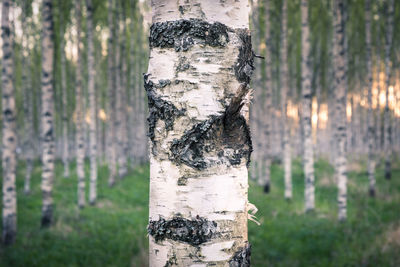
(113, 233)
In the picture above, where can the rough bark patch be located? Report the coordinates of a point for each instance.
(183, 34)
(241, 257)
(159, 109)
(194, 232)
(218, 140)
(244, 66)
(9, 231)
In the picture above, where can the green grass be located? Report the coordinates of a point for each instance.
(113, 233)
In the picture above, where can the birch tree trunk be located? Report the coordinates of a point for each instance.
(47, 113)
(387, 119)
(80, 134)
(28, 105)
(308, 157)
(92, 105)
(284, 82)
(9, 136)
(111, 97)
(370, 132)
(197, 87)
(340, 107)
(65, 137)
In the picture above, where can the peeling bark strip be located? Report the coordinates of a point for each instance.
(197, 85)
(182, 34)
(242, 257)
(9, 141)
(194, 232)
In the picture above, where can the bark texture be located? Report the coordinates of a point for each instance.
(340, 107)
(308, 157)
(9, 137)
(47, 113)
(80, 132)
(92, 106)
(197, 85)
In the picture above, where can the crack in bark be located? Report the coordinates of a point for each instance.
(193, 232)
(183, 34)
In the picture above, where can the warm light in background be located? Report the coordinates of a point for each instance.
(102, 115)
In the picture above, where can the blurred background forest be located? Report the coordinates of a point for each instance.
(100, 51)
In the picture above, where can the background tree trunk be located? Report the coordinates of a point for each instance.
(92, 106)
(284, 82)
(308, 157)
(340, 107)
(47, 113)
(387, 119)
(200, 146)
(79, 111)
(370, 133)
(9, 137)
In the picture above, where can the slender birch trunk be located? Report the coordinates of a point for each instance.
(111, 97)
(340, 107)
(9, 136)
(378, 122)
(308, 157)
(47, 113)
(199, 146)
(387, 119)
(92, 105)
(284, 82)
(370, 132)
(80, 134)
(28, 106)
(65, 137)
(268, 97)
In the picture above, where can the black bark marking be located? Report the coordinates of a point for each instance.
(9, 231)
(241, 257)
(266, 188)
(193, 232)
(183, 34)
(244, 66)
(159, 109)
(226, 136)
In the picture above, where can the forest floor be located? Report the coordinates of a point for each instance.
(113, 232)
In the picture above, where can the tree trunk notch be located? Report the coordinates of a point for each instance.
(197, 87)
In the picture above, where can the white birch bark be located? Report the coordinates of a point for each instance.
(387, 117)
(79, 111)
(370, 132)
(197, 86)
(92, 105)
(284, 82)
(47, 113)
(340, 107)
(9, 136)
(308, 157)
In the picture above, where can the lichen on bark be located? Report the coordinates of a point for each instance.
(241, 257)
